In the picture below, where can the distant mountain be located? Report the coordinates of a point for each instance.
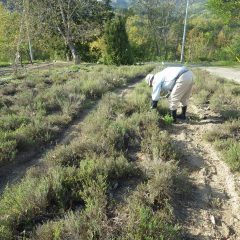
(196, 4)
(121, 3)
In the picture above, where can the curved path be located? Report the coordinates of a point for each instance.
(229, 73)
(211, 210)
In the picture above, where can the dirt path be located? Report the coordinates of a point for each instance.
(224, 72)
(212, 212)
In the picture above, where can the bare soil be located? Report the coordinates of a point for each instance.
(212, 210)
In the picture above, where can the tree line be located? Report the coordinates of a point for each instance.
(92, 31)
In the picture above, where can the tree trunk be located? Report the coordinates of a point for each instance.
(30, 49)
(156, 44)
(165, 44)
(75, 55)
(176, 47)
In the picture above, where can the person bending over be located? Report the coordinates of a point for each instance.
(178, 81)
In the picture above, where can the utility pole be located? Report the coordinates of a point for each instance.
(184, 33)
(27, 28)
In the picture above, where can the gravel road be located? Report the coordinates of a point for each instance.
(224, 72)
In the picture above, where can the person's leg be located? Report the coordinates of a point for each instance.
(185, 98)
(175, 97)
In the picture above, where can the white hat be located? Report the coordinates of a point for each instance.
(148, 78)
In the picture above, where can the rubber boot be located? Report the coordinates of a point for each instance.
(182, 116)
(174, 115)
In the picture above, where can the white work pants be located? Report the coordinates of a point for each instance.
(181, 91)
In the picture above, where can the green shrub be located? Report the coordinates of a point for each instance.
(149, 214)
(113, 168)
(205, 81)
(143, 223)
(140, 100)
(9, 89)
(157, 144)
(232, 156)
(21, 206)
(226, 140)
(69, 155)
(7, 148)
(26, 98)
(166, 181)
(202, 97)
(88, 224)
(13, 122)
(168, 119)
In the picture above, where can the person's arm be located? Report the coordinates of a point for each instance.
(156, 94)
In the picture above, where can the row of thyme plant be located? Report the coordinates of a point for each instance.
(71, 195)
(37, 107)
(222, 97)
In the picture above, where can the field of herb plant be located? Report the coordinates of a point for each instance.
(79, 192)
(123, 175)
(34, 109)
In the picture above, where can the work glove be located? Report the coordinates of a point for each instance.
(154, 104)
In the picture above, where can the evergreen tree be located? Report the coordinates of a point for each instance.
(118, 49)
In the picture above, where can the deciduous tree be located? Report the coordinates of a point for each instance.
(228, 9)
(161, 16)
(73, 20)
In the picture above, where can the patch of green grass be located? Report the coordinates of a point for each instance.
(224, 64)
(4, 64)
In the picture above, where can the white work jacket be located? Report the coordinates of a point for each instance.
(165, 80)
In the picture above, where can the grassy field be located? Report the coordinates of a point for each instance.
(35, 108)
